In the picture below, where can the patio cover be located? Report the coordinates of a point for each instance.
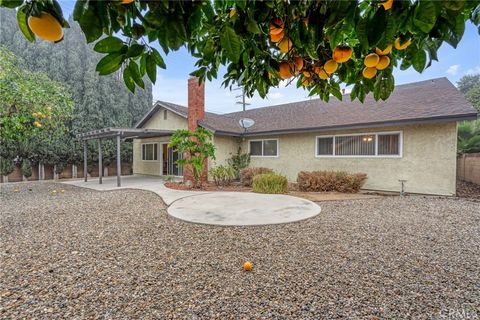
(119, 134)
(123, 133)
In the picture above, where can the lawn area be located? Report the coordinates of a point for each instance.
(89, 254)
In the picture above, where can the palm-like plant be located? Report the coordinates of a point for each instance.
(196, 147)
(469, 137)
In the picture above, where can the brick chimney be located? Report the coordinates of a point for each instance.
(196, 103)
(196, 113)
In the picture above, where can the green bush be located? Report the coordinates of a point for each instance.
(323, 181)
(270, 183)
(6, 167)
(247, 174)
(239, 161)
(26, 168)
(222, 175)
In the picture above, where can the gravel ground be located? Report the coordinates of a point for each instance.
(117, 255)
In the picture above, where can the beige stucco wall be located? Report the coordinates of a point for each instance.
(173, 121)
(428, 163)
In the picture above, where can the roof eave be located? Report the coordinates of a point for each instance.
(453, 118)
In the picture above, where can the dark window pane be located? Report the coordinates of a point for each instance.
(143, 152)
(363, 145)
(155, 153)
(256, 148)
(325, 146)
(270, 148)
(389, 144)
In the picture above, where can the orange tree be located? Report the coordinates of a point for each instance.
(316, 44)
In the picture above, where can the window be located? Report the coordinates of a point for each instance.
(165, 114)
(384, 144)
(325, 146)
(263, 148)
(149, 151)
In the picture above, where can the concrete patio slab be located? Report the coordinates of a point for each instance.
(216, 208)
(242, 209)
(149, 183)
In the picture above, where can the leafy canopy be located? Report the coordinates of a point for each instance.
(240, 35)
(31, 105)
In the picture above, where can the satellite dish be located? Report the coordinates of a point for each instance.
(246, 123)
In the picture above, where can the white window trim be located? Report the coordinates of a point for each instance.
(262, 156)
(376, 134)
(141, 151)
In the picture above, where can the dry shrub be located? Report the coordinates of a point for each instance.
(340, 181)
(247, 174)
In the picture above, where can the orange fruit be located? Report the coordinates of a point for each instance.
(285, 70)
(369, 72)
(307, 81)
(383, 63)
(285, 45)
(127, 1)
(342, 54)
(371, 60)
(387, 5)
(330, 66)
(46, 27)
(384, 52)
(307, 74)
(37, 124)
(322, 74)
(230, 14)
(402, 46)
(277, 37)
(247, 266)
(277, 22)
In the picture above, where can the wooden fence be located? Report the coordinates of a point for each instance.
(468, 167)
(47, 172)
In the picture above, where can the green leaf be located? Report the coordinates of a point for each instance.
(143, 65)
(136, 74)
(128, 79)
(425, 15)
(10, 3)
(231, 43)
(158, 58)
(79, 9)
(419, 60)
(110, 63)
(22, 20)
(135, 50)
(361, 30)
(109, 45)
(151, 68)
(90, 23)
(252, 26)
(376, 27)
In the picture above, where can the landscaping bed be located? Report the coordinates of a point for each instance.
(118, 255)
(208, 187)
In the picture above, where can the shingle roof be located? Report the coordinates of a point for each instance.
(425, 101)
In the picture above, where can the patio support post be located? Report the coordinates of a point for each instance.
(85, 160)
(100, 173)
(119, 166)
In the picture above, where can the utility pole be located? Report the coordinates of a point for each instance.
(243, 102)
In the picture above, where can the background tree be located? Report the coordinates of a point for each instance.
(33, 109)
(98, 101)
(196, 147)
(469, 131)
(317, 44)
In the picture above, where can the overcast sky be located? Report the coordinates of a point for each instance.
(171, 83)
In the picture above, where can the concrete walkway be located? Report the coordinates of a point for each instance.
(217, 208)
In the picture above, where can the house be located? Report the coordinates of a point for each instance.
(412, 136)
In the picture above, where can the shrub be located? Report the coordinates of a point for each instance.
(247, 174)
(26, 168)
(239, 161)
(6, 166)
(222, 175)
(270, 183)
(340, 181)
